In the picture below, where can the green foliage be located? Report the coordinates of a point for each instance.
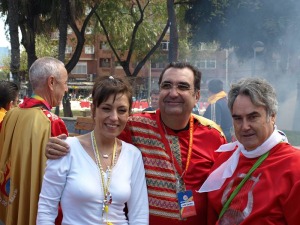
(3, 75)
(120, 18)
(6, 63)
(44, 47)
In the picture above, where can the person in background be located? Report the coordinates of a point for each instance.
(23, 137)
(256, 180)
(110, 171)
(196, 110)
(154, 95)
(8, 97)
(177, 148)
(217, 109)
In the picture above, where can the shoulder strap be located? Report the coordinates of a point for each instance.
(241, 184)
(207, 122)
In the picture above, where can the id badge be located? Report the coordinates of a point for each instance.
(186, 204)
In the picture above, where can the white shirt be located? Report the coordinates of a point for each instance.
(75, 179)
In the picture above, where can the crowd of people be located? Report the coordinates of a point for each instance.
(165, 165)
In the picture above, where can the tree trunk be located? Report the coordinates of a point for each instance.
(79, 35)
(63, 26)
(30, 53)
(63, 29)
(14, 40)
(67, 105)
(173, 45)
(28, 41)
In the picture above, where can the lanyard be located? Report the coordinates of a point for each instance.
(168, 146)
(241, 184)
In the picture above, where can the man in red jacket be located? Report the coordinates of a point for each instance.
(256, 180)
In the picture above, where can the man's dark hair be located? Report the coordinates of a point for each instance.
(215, 86)
(182, 65)
(9, 92)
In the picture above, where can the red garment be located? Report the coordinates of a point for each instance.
(57, 124)
(271, 196)
(144, 131)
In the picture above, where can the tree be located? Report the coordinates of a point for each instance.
(79, 32)
(173, 46)
(29, 15)
(63, 27)
(12, 17)
(138, 27)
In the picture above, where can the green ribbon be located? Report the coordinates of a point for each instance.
(238, 188)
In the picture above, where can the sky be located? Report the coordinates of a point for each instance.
(3, 41)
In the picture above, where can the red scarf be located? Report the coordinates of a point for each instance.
(34, 101)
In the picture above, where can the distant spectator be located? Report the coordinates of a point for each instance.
(8, 97)
(154, 96)
(217, 109)
(196, 110)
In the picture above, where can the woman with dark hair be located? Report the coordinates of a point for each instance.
(101, 173)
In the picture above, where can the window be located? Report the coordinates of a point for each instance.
(103, 45)
(208, 46)
(89, 49)
(80, 68)
(201, 64)
(207, 64)
(211, 64)
(68, 49)
(157, 65)
(165, 45)
(104, 62)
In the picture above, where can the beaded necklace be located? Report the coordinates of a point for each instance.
(105, 185)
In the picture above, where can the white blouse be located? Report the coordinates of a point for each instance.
(74, 181)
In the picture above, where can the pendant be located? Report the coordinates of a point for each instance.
(108, 198)
(105, 156)
(106, 202)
